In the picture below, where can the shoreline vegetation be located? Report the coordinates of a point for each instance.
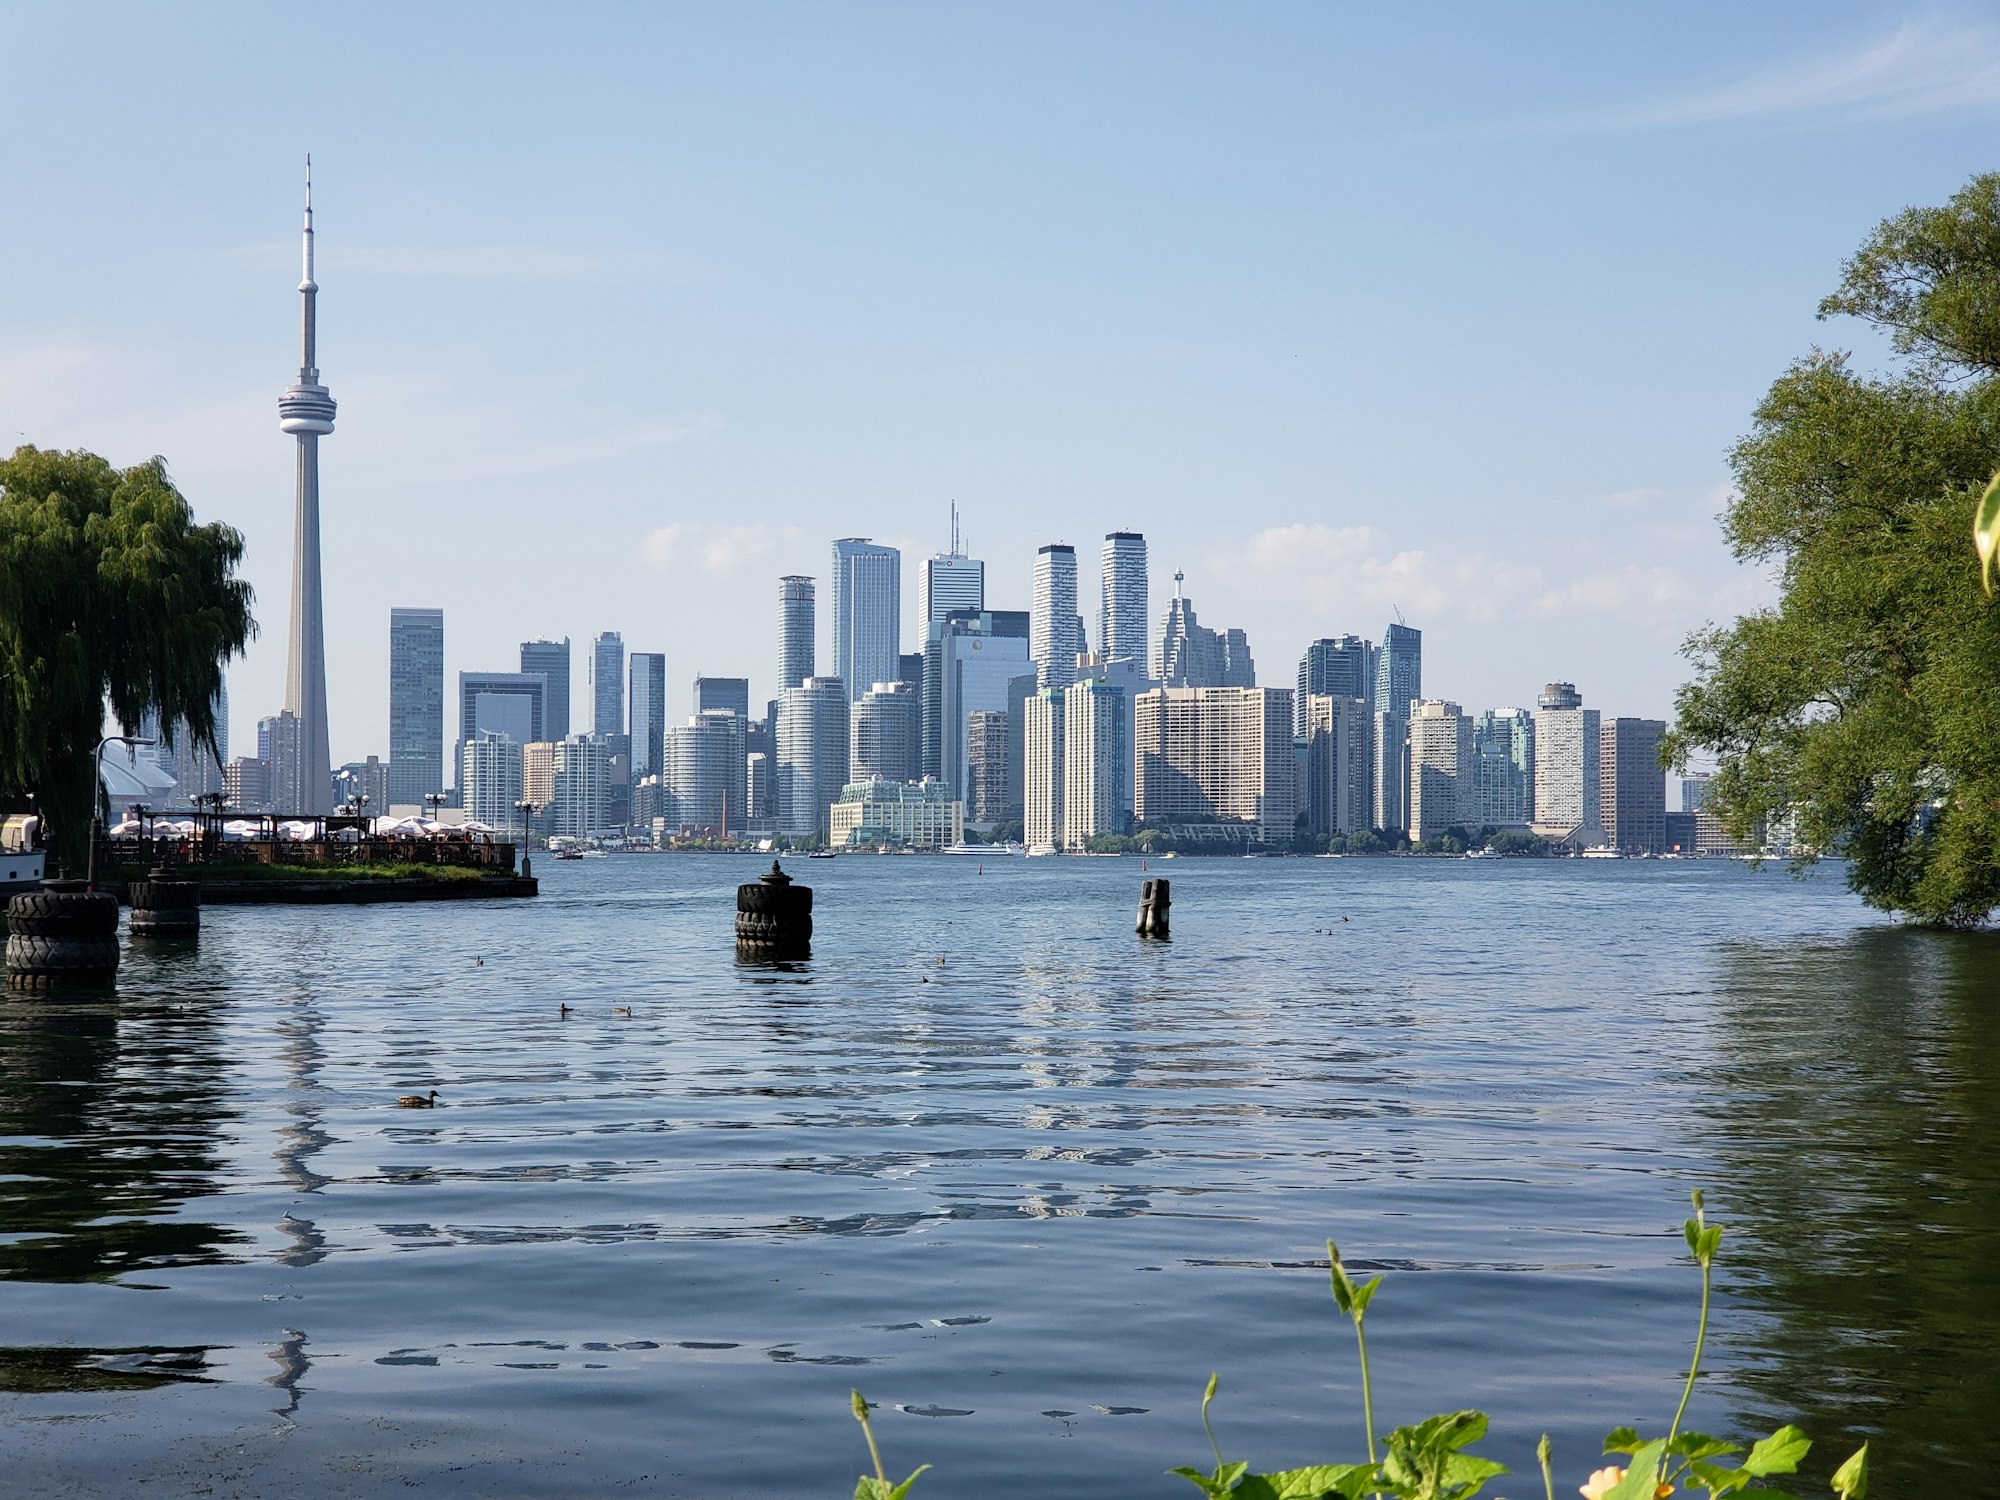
(1429, 1461)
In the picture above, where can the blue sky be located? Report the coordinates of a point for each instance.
(632, 309)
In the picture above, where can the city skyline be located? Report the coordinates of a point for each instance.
(1293, 445)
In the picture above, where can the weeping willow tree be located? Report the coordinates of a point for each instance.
(1864, 708)
(111, 598)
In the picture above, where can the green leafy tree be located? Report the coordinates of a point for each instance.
(110, 597)
(1864, 709)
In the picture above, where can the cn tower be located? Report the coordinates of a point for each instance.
(306, 412)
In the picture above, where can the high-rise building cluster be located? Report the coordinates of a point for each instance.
(996, 718)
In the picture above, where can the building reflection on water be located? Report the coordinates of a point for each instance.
(1856, 1123)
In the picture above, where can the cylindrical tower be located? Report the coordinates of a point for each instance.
(306, 411)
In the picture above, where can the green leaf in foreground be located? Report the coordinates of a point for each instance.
(1779, 1453)
(1850, 1480)
(1986, 532)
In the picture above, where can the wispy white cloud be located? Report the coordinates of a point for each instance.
(719, 550)
(1925, 66)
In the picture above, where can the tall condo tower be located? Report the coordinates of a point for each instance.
(1122, 611)
(795, 631)
(867, 614)
(306, 412)
(1052, 641)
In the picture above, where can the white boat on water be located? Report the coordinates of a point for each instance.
(21, 858)
(1483, 854)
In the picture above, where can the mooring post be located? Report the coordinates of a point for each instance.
(1155, 901)
(774, 916)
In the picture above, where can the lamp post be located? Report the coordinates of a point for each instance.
(436, 800)
(528, 810)
(96, 787)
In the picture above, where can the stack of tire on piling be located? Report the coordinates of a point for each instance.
(62, 938)
(774, 917)
(164, 908)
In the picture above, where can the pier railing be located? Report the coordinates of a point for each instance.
(470, 852)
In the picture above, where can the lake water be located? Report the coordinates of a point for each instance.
(1022, 1178)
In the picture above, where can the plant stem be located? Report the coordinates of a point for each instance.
(861, 1416)
(1694, 1367)
(1367, 1392)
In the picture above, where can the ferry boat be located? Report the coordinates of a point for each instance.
(1483, 853)
(21, 859)
(822, 854)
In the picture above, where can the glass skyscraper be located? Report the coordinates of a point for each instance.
(607, 684)
(1399, 670)
(416, 704)
(732, 693)
(551, 659)
(1333, 667)
(867, 614)
(648, 724)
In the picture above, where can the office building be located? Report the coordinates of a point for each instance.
(607, 684)
(953, 581)
(867, 614)
(1052, 622)
(887, 734)
(1633, 785)
(910, 669)
(491, 778)
(197, 769)
(1189, 654)
(812, 755)
(707, 777)
(551, 660)
(1336, 735)
(1335, 667)
(362, 786)
(576, 804)
(896, 815)
(1444, 786)
(647, 714)
(1503, 753)
(306, 411)
(1124, 614)
(416, 704)
(279, 744)
(1399, 669)
(986, 768)
(1217, 755)
(1043, 738)
(757, 788)
(246, 785)
(1694, 792)
(1096, 761)
(976, 657)
(1020, 688)
(1388, 766)
(796, 623)
(732, 693)
(1568, 746)
(508, 702)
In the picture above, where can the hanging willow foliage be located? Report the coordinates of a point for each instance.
(111, 598)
